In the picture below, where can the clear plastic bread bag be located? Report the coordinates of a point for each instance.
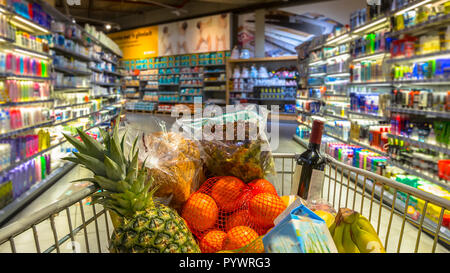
(234, 142)
(172, 160)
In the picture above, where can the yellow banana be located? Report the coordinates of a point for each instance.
(347, 242)
(338, 232)
(365, 225)
(366, 241)
(332, 228)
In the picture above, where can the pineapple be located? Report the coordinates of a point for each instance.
(144, 225)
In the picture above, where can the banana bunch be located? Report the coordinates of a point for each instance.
(353, 233)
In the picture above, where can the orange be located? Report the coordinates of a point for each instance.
(265, 207)
(200, 211)
(238, 237)
(239, 218)
(212, 241)
(262, 185)
(226, 192)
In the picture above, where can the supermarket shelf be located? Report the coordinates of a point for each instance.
(149, 89)
(25, 102)
(300, 141)
(168, 84)
(110, 61)
(367, 115)
(334, 116)
(213, 72)
(436, 21)
(420, 144)
(73, 72)
(267, 99)
(18, 131)
(368, 147)
(423, 82)
(106, 84)
(419, 174)
(10, 75)
(241, 91)
(71, 53)
(83, 116)
(96, 69)
(190, 79)
(70, 88)
(430, 55)
(37, 189)
(191, 86)
(112, 73)
(336, 137)
(371, 25)
(205, 81)
(370, 56)
(379, 83)
(335, 95)
(21, 201)
(31, 52)
(71, 105)
(212, 90)
(96, 60)
(26, 24)
(337, 56)
(438, 114)
(338, 74)
(265, 59)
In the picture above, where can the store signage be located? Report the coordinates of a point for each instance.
(201, 35)
(137, 43)
(206, 34)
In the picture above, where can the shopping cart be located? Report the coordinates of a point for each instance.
(74, 225)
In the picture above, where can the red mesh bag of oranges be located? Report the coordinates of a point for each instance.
(227, 215)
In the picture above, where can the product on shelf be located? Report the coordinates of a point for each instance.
(24, 91)
(14, 118)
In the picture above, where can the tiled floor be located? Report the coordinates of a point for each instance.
(97, 231)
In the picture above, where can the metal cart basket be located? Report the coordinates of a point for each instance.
(73, 225)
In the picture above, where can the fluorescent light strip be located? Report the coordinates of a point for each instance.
(317, 62)
(337, 39)
(339, 74)
(343, 56)
(379, 21)
(31, 24)
(375, 56)
(30, 53)
(317, 74)
(2, 10)
(411, 7)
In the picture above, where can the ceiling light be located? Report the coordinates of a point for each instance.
(108, 27)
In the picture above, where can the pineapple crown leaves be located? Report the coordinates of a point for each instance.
(125, 185)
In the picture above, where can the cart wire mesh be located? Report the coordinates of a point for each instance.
(74, 225)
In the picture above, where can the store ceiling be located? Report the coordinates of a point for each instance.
(126, 14)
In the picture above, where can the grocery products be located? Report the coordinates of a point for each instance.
(300, 231)
(122, 180)
(243, 211)
(353, 233)
(308, 177)
(200, 211)
(173, 160)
